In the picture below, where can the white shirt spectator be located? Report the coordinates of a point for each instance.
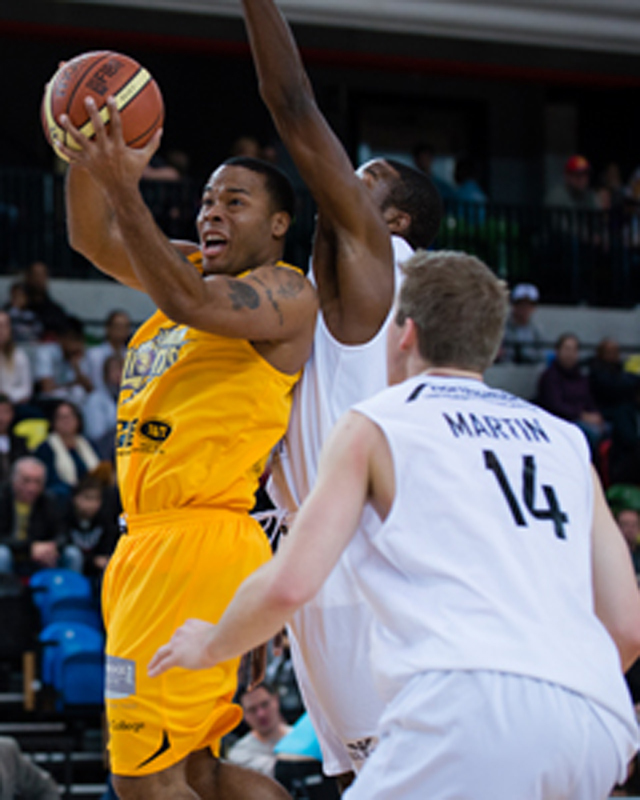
(15, 376)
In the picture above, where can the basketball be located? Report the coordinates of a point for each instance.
(99, 75)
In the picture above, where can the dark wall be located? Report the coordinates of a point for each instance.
(204, 70)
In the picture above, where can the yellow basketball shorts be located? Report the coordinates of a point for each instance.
(172, 566)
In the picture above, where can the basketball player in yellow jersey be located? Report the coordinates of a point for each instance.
(206, 394)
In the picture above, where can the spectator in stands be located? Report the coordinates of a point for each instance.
(158, 169)
(617, 395)
(52, 316)
(468, 189)
(574, 192)
(117, 335)
(62, 368)
(564, 390)
(90, 522)
(632, 188)
(100, 410)
(610, 179)
(15, 370)
(66, 454)
(21, 778)
(12, 446)
(423, 157)
(246, 145)
(30, 523)
(267, 728)
(522, 343)
(25, 324)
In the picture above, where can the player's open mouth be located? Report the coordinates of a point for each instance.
(212, 246)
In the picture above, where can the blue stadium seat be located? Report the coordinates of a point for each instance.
(62, 589)
(73, 663)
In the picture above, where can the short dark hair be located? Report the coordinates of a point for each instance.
(74, 408)
(564, 337)
(88, 482)
(416, 195)
(277, 183)
(268, 687)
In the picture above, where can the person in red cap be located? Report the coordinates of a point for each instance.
(575, 191)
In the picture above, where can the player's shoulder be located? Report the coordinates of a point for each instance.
(284, 281)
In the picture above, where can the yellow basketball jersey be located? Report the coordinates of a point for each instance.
(198, 415)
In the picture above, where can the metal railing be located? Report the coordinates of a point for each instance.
(572, 256)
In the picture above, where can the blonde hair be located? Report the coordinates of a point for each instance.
(458, 306)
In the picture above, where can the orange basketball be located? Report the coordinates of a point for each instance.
(99, 75)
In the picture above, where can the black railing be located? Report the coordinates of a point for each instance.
(590, 257)
(573, 257)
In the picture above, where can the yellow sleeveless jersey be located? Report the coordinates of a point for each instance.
(198, 415)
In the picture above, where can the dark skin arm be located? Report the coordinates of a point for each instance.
(273, 307)
(93, 231)
(353, 260)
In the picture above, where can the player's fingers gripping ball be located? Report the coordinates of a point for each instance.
(99, 75)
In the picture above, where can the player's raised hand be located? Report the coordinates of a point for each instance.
(187, 649)
(107, 156)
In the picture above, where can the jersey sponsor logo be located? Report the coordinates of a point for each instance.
(440, 391)
(475, 426)
(120, 678)
(164, 746)
(147, 436)
(150, 360)
(156, 430)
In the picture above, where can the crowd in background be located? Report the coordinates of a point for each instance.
(58, 497)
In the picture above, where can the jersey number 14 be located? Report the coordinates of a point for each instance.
(552, 512)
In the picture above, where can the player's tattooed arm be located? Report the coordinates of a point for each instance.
(269, 294)
(242, 295)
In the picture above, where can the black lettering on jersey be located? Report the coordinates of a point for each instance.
(495, 426)
(415, 394)
(458, 426)
(475, 426)
(552, 512)
(535, 429)
(478, 427)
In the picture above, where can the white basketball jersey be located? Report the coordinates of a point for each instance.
(329, 635)
(484, 562)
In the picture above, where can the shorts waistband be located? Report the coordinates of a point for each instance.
(133, 524)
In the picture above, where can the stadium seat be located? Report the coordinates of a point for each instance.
(73, 663)
(63, 594)
(34, 430)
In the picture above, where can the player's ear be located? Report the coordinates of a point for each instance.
(409, 336)
(398, 221)
(280, 223)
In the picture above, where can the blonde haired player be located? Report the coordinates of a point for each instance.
(205, 395)
(505, 603)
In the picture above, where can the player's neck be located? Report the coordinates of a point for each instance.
(452, 372)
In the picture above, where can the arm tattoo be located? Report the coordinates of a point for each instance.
(270, 298)
(242, 295)
(291, 283)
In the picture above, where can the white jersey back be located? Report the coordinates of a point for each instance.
(330, 634)
(484, 561)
